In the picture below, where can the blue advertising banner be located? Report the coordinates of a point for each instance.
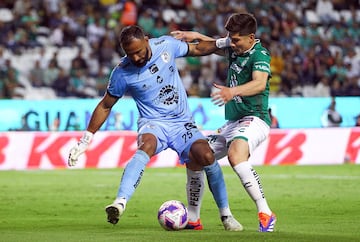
(74, 114)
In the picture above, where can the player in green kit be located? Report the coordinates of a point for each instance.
(245, 98)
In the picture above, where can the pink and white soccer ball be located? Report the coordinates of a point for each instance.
(173, 215)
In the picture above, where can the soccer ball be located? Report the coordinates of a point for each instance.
(173, 215)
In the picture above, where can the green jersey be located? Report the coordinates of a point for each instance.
(240, 72)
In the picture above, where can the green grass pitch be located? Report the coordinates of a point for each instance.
(313, 203)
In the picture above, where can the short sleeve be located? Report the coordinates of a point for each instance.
(117, 85)
(180, 48)
(261, 61)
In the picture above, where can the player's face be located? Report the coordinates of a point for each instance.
(241, 43)
(138, 51)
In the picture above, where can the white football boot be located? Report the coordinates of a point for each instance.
(231, 224)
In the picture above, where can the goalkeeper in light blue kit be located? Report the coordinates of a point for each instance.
(149, 74)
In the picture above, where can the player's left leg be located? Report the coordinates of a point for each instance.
(252, 184)
(253, 132)
(218, 188)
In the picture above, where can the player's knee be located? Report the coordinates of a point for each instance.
(202, 154)
(147, 143)
(208, 158)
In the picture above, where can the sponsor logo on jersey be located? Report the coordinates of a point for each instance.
(168, 95)
(234, 83)
(159, 42)
(189, 126)
(153, 68)
(236, 68)
(262, 67)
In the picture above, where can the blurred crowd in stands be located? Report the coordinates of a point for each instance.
(67, 48)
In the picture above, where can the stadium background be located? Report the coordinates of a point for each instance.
(56, 55)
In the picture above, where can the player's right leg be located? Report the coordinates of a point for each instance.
(217, 187)
(194, 191)
(132, 175)
(129, 181)
(202, 156)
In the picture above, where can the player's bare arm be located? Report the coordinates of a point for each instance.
(101, 112)
(98, 117)
(253, 87)
(190, 36)
(199, 44)
(202, 48)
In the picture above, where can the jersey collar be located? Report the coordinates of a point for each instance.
(247, 52)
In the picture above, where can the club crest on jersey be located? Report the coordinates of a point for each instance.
(153, 68)
(165, 57)
(168, 95)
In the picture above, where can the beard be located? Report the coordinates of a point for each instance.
(143, 62)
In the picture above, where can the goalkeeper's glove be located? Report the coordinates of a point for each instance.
(79, 148)
(223, 42)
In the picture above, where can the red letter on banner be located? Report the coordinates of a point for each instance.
(127, 152)
(353, 146)
(288, 153)
(4, 141)
(93, 155)
(52, 151)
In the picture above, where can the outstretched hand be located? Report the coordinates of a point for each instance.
(222, 96)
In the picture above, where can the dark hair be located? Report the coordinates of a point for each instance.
(129, 33)
(242, 23)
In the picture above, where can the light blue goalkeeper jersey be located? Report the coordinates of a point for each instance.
(156, 87)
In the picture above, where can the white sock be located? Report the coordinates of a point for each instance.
(194, 191)
(225, 212)
(121, 200)
(251, 182)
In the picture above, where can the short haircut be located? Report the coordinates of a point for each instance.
(242, 23)
(129, 33)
